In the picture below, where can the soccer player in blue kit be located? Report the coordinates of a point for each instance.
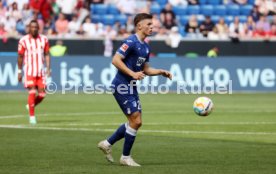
(131, 60)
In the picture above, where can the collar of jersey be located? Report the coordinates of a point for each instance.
(139, 39)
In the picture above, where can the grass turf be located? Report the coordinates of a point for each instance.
(238, 137)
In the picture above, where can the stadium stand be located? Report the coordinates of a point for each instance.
(15, 20)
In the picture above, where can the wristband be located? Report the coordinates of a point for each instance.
(19, 71)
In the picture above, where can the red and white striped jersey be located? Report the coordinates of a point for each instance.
(33, 50)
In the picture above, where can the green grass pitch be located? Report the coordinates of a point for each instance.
(239, 137)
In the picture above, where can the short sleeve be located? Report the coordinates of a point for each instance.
(125, 48)
(21, 47)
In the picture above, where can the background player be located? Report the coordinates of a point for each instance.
(33, 50)
(131, 60)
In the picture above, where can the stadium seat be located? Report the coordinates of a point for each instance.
(193, 9)
(96, 18)
(180, 10)
(202, 2)
(215, 18)
(243, 19)
(233, 10)
(184, 20)
(121, 18)
(206, 10)
(245, 9)
(112, 9)
(214, 2)
(108, 19)
(220, 10)
(228, 19)
(155, 9)
(162, 2)
(99, 9)
(251, 2)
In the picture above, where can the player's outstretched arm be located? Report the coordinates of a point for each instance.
(153, 72)
(48, 64)
(120, 65)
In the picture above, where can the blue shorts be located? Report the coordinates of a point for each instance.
(128, 103)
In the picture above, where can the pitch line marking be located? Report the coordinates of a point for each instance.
(142, 131)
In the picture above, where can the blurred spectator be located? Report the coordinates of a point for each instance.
(58, 50)
(263, 6)
(263, 23)
(272, 32)
(222, 28)
(249, 27)
(26, 14)
(74, 26)
(174, 38)
(49, 28)
(169, 21)
(192, 25)
(206, 26)
(259, 32)
(255, 13)
(143, 6)
(214, 34)
(14, 12)
(178, 2)
(127, 7)
(162, 34)
(213, 52)
(46, 10)
(156, 24)
(109, 36)
(3, 10)
(236, 29)
(36, 5)
(20, 3)
(67, 7)
(165, 11)
(3, 33)
(89, 28)
(61, 25)
(193, 2)
(273, 22)
(130, 25)
(99, 31)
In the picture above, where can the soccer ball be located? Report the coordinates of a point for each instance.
(203, 106)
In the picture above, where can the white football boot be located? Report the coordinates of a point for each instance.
(32, 120)
(103, 145)
(128, 161)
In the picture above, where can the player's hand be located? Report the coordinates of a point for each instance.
(19, 77)
(166, 74)
(48, 72)
(139, 75)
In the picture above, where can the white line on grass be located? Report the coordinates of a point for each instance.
(87, 113)
(142, 131)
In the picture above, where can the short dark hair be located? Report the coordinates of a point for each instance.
(33, 21)
(141, 16)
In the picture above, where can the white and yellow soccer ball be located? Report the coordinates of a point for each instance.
(203, 106)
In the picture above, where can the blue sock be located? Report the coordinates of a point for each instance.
(130, 136)
(119, 134)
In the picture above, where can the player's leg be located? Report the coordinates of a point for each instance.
(29, 83)
(135, 122)
(41, 90)
(31, 104)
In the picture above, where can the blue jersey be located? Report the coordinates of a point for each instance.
(135, 54)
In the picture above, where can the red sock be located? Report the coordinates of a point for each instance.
(40, 97)
(31, 101)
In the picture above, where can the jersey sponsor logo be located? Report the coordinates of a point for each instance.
(124, 47)
(140, 61)
(129, 40)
